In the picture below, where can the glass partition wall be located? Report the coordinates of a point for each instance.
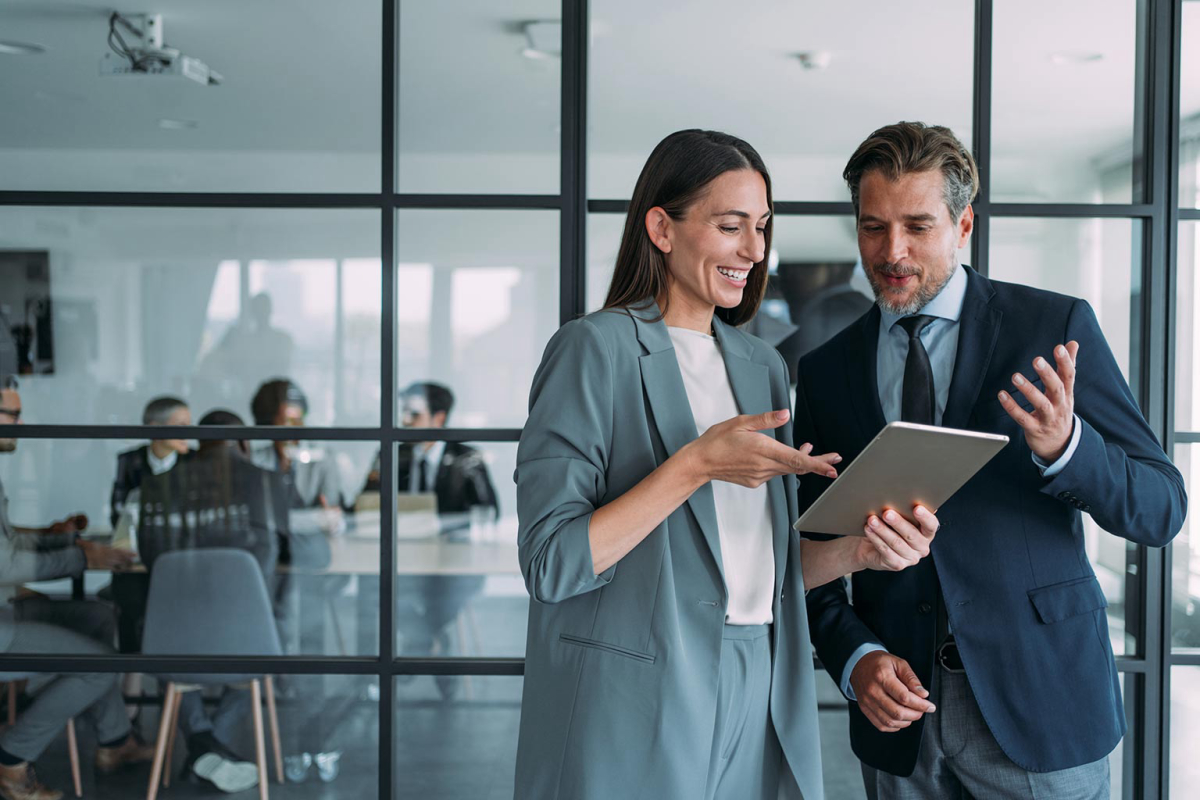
(356, 238)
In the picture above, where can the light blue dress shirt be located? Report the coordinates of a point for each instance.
(940, 338)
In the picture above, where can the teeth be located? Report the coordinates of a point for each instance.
(735, 274)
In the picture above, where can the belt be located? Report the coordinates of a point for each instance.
(948, 656)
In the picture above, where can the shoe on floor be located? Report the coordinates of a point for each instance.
(127, 753)
(19, 782)
(225, 774)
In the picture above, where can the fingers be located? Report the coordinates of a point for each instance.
(798, 461)
(900, 543)
(1018, 414)
(1066, 367)
(1041, 404)
(765, 421)
(1055, 392)
(928, 521)
(909, 678)
(892, 701)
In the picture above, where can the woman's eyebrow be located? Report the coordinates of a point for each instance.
(733, 212)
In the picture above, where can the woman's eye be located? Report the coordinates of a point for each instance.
(729, 228)
(762, 231)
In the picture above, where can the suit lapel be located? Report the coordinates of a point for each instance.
(672, 412)
(979, 328)
(860, 354)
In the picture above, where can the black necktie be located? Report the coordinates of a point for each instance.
(918, 402)
(422, 475)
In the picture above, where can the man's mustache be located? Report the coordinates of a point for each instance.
(896, 270)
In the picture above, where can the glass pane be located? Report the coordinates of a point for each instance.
(1185, 567)
(135, 504)
(464, 748)
(459, 589)
(104, 309)
(477, 302)
(654, 71)
(479, 97)
(1098, 260)
(1187, 335)
(1064, 125)
(1189, 108)
(1185, 730)
(297, 108)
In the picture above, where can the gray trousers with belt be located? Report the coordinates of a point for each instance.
(47, 627)
(961, 760)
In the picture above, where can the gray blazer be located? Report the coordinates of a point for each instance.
(621, 668)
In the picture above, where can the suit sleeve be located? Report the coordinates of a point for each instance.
(837, 632)
(1119, 472)
(120, 490)
(562, 461)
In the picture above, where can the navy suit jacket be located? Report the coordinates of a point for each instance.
(1027, 611)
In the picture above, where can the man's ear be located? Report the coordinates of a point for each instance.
(658, 227)
(439, 419)
(966, 224)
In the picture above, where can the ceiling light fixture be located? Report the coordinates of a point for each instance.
(543, 38)
(1067, 57)
(815, 60)
(21, 49)
(178, 124)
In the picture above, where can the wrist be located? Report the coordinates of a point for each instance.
(852, 553)
(691, 461)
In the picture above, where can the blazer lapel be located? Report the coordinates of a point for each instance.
(860, 354)
(979, 328)
(672, 412)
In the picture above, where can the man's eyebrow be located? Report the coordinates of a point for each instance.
(907, 217)
(733, 212)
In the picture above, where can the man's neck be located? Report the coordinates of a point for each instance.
(161, 450)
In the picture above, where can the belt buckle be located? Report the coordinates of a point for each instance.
(943, 657)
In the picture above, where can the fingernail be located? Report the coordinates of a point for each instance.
(873, 522)
(836, 460)
(1018, 380)
(1003, 395)
(1060, 350)
(890, 516)
(1040, 363)
(781, 415)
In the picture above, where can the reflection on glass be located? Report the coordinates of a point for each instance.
(459, 589)
(804, 101)
(1099, 261)
(1187, 335)
(478, 97)
(1185, 730)
(1185, 567)
(70, 126)
(104, 309)
(316, 563)
(1063, 101)
(1189, 107)
(477, 302)
(465, 748)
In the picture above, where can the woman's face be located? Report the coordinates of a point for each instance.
(711, 251)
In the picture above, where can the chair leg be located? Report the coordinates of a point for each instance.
(260, 746)
(273, 721)
(160, 744)
(171, 733)
(73, 753)
(12, 702)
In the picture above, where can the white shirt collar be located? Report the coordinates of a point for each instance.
(948, 304)
(160, 465)
(433, 456)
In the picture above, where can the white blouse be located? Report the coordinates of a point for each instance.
(743, 514)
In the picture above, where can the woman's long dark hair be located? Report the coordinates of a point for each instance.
(676, 174)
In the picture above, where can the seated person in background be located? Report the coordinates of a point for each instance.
(150, 459)
(458, 477)
(215, 497)
(312, 476)
(39, 625)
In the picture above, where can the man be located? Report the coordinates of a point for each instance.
(986, 670)
(33, 624)
(458, 477)
(151, 459)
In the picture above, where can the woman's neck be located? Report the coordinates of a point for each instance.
(682, 314)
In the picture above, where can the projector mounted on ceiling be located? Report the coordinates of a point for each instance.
(143, 52)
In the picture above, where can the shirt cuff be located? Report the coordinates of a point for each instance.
(852, 662)
(1050, 470)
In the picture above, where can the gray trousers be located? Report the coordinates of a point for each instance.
(960, 760)
(226, 723)
(744, 763)
(47, 627)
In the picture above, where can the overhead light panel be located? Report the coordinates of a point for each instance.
(20, 49)
(543, 39)
(1067, 57)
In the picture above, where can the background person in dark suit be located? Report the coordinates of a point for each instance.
(154, 458)
(985, 671)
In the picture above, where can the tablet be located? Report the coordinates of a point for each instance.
(904, 465)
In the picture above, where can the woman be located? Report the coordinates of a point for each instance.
(668, 652)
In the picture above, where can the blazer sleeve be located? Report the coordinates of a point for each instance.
(835, 628)
(1119, 473)
(562, 461)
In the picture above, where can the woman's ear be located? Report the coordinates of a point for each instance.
(658, 227)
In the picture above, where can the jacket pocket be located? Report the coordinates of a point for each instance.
(1061, 601)
(579, 641)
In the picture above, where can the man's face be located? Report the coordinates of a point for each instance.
(414, 413)
(289, 415)
(10, 414)
(180, 416)
(907, 238)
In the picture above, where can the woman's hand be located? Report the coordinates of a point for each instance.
(893, 543)
(734, 451)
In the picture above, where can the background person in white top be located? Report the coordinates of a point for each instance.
(668, 652)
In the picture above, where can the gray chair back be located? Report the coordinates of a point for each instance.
(211, 601)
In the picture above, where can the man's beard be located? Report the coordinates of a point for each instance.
(921, 298)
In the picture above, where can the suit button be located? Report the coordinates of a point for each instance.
(924, 608)
(1085, 508)
(1064, 495)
